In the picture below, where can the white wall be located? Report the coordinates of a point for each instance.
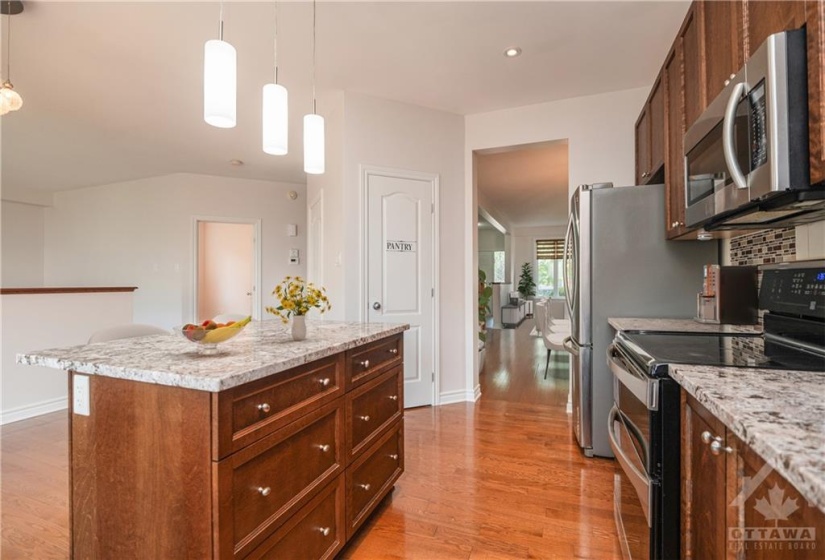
(601, 144)
(140, 233)
(382, 133)
(23, 238)
(810, 241)
(49, 321)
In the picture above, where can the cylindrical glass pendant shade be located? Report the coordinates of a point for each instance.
(219, 83)
(314, 144)
(275, 120)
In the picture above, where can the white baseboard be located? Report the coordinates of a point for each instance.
(452, 397)
(32, 410)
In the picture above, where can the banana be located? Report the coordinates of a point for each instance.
(223, 334)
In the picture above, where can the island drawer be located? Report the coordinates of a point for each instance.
(372, 476)
(261, 486)
(368, 361)
(317, 532)
(372, 408)
(249, 412)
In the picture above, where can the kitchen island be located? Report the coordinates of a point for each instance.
(269, 449)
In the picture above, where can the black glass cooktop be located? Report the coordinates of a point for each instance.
(650, 350)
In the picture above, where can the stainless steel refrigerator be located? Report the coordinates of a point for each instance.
(618, 264)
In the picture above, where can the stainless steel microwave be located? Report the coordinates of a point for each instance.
(746, 157)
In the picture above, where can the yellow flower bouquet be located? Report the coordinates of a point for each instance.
(297, 297)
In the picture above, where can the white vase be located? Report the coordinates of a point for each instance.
(299, 327)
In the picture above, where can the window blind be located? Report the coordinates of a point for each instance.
(549, 249)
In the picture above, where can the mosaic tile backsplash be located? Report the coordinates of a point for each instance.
(763, 247)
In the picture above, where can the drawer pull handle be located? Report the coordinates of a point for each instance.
(393, 397)
(707, 437)
(264, 491)
(325, 381)
(365, 487)
(324, 531)
(393, 351)
(394, 456)
(716, 448)
(264, 407)
(365, 364)
(325, 448)
(365, 418)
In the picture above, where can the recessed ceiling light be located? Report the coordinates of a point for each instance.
(236, 162)
(512, 52)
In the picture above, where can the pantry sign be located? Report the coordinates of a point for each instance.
(401, 246)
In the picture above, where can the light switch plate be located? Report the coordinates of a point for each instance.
(294, 256)
(80, 395)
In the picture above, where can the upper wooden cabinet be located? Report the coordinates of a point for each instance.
(691, 41)
(674, 141)
(815, 23)
(766, 18)
(650, 137)
(723, 41)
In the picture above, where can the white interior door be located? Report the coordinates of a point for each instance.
(400, 271)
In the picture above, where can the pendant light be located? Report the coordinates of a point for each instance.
(275, 122)
(10, 100)
(219, 81)
(313, 124)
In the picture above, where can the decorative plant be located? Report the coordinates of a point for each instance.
(296, 297)
(485, 294)
(526, 285)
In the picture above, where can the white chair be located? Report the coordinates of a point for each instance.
(125, 331)
(558, 325)
(539, 315)
(226, 317)
(552, 341)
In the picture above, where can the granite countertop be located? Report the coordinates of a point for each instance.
(263, 348)
(678, 325)
(779, 413)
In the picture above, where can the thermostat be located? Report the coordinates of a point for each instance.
(292, 230)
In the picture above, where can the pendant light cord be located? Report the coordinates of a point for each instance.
(314, 102)
(275, 46)
(8, 43)
(220, 23)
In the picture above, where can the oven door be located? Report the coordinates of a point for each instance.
(631, 429)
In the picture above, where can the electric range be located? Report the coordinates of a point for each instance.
(644, 423)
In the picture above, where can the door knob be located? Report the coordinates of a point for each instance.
(376, 306)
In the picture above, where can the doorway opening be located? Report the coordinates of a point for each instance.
(522, 195)
(227, 265)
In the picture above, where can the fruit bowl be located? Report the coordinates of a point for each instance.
(209, 334)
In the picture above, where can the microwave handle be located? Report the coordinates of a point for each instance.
(728, 135)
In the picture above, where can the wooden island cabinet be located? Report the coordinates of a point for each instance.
(734, 505)
(272, 450)
(713, 43)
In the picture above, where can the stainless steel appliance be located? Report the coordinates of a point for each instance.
(618, 264)
(728, 295)
(746, 157)
(644, 423)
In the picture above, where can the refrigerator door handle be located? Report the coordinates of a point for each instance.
(639, 480)
(566, 269)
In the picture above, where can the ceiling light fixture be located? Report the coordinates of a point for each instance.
(512, 52)
(275, 122)
(10, 100)
(219, 81)
(313, 124)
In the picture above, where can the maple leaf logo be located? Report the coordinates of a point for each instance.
(776, 507)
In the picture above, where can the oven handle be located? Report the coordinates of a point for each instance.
(639, 480)
(646, 390)
(728, 135)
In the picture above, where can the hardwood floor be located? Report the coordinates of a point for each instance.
(499, 480)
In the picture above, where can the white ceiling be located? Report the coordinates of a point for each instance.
(113, 90)
(527, 186)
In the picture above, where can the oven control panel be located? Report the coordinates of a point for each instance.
(795, 291)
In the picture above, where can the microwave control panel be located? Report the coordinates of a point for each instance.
(794, 291)
(758, 132)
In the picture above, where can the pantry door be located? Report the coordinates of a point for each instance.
(401, 270)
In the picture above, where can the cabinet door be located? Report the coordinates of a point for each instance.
(770, 520)
(657, 128)
(767, 17)
(816, 86)
(723, 42)
(643, 146)
(692, 70)
(674, 140)
(704, 486)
